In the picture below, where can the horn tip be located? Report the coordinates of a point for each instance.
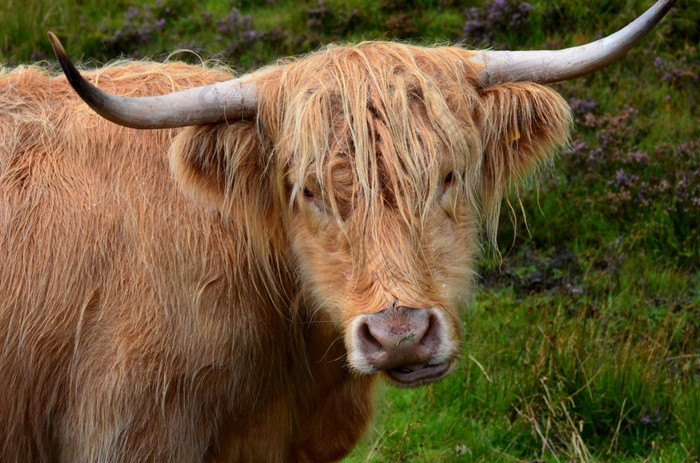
(58, 49)
(69, 69)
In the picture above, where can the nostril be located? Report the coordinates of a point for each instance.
(367, 339)
(431, 337)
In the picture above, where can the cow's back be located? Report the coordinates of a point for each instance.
(113, 282)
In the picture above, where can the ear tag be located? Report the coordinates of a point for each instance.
(515, 136)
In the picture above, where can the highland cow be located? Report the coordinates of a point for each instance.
(225, 285)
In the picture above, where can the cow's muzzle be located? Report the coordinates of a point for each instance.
(409, 345)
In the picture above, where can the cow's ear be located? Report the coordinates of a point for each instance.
(522, 126)
(215, 163)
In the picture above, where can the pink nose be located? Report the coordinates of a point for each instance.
(403, 342)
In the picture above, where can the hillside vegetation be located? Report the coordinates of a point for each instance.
(582, 337)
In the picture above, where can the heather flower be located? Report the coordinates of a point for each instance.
(574, 290)
(131, 13)
(625, 180)
(141, 26)
(677, 71)
(498, 15)
(648, 417)
(581, 107)
(637, 156)
(334, 24)
(37, 55)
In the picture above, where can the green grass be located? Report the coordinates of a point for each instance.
(581, 343)
(559, 377)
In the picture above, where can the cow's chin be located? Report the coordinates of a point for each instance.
(411, 375)
(418, 375)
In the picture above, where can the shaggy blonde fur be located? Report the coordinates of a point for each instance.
(137, 324)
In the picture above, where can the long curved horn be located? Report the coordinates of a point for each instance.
(545, 66)
(231, 100)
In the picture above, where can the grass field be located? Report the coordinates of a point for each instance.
(581, 343)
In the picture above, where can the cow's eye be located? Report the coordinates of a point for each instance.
(447, 183)
(448, 179)
(311, 199)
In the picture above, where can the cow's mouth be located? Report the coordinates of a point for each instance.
(414, 375)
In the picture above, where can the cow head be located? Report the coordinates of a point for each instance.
(387, 156)
(383, 162)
